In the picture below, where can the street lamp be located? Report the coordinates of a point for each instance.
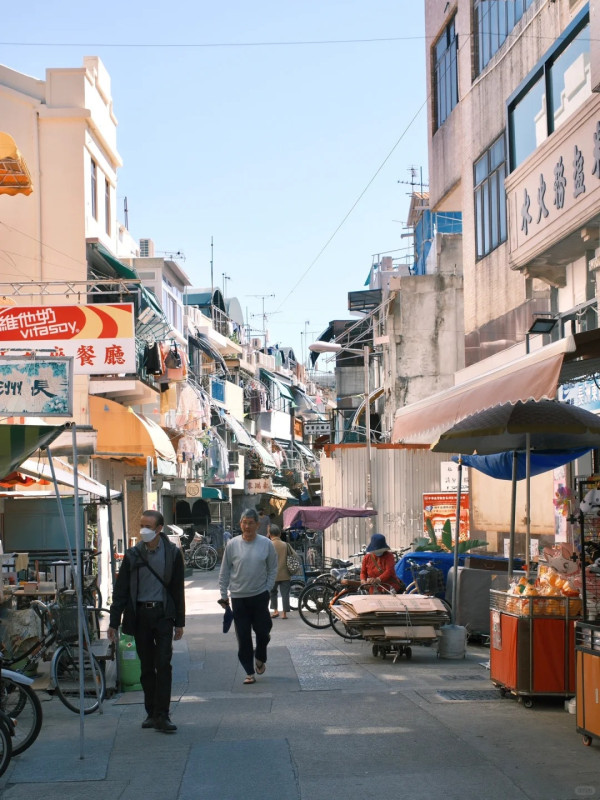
(332, 347)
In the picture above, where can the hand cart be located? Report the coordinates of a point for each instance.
(532, 647)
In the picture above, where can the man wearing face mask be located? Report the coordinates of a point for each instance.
(149, 596)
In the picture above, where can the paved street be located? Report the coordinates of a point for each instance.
(327, 720)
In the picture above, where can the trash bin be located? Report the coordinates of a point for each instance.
(129, 664)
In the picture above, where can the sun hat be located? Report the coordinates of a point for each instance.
(377, 542)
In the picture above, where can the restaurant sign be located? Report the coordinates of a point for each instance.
(36, 387)
(258, 486)
(99, 338)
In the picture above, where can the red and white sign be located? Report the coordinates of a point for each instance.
(441, 506)
(99, 338)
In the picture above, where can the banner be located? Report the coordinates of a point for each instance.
(441, 506)
(36, 387)
(99, 338)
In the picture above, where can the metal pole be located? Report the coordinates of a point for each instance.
(456, 539)
(369, 500)
(513, 515)
(111, 536)
(528, 502)
(78, 585)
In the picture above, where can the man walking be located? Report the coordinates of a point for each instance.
(149, 595)
(248, 571)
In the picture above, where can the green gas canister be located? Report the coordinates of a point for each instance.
(129, 664)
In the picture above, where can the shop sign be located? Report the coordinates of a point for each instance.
(316, 428)
(258, 486)
(584, 394)
(99, 338)
(441, 506)
(36, 387)
(449, 477)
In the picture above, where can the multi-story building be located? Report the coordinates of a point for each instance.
(514, 147)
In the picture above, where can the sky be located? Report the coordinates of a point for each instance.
(284, 132)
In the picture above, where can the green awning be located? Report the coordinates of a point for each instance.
(284, 390)
(19, 442)
(100, 256)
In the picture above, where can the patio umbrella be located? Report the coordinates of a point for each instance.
(529, 425)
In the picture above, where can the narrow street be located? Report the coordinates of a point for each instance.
(326, 720)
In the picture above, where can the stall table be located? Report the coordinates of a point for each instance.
(532, 647)
(587, 653)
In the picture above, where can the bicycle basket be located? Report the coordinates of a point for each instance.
(64, 619)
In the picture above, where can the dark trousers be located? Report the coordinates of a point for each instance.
(252, 614)
(154, 644)
(284, 588)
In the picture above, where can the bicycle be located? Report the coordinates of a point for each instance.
(59, 627)
(7, 728)
(19, 701)
(92, 596)
(197, 553)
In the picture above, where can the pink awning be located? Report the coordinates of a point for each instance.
(317, 518)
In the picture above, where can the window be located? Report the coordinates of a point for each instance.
(107, 211)
(490, 198)
(493, 21)
(446, 73)
(555, 89)
(94, 189)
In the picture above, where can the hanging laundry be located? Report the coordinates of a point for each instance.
(152, 359)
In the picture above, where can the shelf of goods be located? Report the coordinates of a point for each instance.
(532, 645)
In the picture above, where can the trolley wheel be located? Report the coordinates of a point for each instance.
(503, 691)
(408, 652)
(375, 650)
(587, 740)
(528, 702)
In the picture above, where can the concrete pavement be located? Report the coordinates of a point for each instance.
(327, 720)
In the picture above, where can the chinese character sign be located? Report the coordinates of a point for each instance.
(441, 506)
(99, 338)
(258, 486)
(36, 387)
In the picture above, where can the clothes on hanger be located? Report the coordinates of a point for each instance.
(152, 359)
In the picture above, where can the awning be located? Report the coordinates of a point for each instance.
(14, 174)
(263, 454)
(238, 430)
(64, 475)
(305, 451)
(283, 493)
(374, 395)
(305, 404)
(326, 336)
(100, 257)
(19, 442)
(317, 518)
(535, 376)
(124, 434)
(210, 493)
(203, 343)
(284, 390)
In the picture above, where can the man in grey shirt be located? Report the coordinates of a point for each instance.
(248, 572)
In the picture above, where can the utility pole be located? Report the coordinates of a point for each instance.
(305, 345)
(212, 286)
(226, 277)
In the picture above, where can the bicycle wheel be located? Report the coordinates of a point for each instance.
(296, 588)
(21, 703)
(205, 557)
(342, 629)
(92, 597)
(65, 674)
(313, 605)
(5, 746)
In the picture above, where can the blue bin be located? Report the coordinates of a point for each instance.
(445, 562)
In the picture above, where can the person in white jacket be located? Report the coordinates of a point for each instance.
(247, 576)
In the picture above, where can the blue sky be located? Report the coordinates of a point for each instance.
(263, 147)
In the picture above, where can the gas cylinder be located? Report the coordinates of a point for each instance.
(129, 664)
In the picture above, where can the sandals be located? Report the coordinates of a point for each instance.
(276, 614)
(260, 667)
(249, 679)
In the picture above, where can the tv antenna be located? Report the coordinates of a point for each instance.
(264, 314)
(172, 255)
(413, 179)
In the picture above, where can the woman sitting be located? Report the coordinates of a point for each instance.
(379, 566)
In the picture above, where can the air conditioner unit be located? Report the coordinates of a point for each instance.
(257, 342)
(193, 489)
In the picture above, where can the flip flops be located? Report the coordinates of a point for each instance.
(249, 679)
(276, 614)
(260, 667)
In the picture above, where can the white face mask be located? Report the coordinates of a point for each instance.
(147, 534)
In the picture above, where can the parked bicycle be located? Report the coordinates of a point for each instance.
(197, 553)
(58, 641)
(7, 728)
(19, 701)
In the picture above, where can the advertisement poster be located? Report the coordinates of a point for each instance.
(99, 338)
(441, 506)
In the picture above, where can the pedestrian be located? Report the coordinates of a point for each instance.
(149, 596)
(379, 565)
(264, 522)
(283, 577)
(248, 572)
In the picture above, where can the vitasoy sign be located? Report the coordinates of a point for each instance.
(99, 338)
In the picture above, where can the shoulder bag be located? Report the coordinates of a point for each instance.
(292, 561)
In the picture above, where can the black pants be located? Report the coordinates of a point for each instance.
(154, 644)
(252, 614)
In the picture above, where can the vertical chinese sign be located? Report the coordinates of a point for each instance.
(99, 338)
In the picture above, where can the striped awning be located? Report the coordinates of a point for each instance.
(14, 174)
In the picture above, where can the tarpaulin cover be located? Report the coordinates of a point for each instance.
(317, 518)
(499, 465)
